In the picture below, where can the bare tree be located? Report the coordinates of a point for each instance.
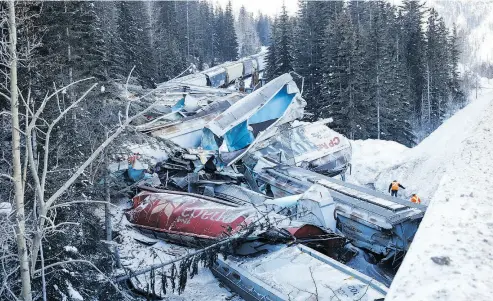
(47, 202)
(44, 201)
(20, 231)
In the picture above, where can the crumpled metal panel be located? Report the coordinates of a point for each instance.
(187, 132)
(249, 105)
(315, 143)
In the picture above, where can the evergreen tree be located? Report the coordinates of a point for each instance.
(167, 54)
(133, 35)
(413, 44)
(230, 42)
(313, 18)
(270, 69)
(219, 35)
(248, 40)
(458, 97)
(343, 70)
(389, 91)
(206, 33)
(437, 72)
(89, 44)
(280, 58)
(264, 29)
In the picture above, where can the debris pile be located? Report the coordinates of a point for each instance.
(244, 168)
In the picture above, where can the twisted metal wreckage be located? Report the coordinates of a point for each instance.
(245, 168)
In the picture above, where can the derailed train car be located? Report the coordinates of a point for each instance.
(248, 121)
(196, 220)
(313, 146)
(296, 273)
(383, 225)
(234, 71)
(227, 73)
(216, 77)
(249, 66)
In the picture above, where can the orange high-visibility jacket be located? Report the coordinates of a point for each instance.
(416, 200)
(395, 186)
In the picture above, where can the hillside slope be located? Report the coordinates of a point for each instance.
(474, 20)
(451, 256)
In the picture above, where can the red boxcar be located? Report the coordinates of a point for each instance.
(197, 220)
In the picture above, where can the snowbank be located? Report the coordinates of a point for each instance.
(370, 157)
(451, 256)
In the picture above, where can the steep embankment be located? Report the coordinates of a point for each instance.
(452, 170)
(451, 257)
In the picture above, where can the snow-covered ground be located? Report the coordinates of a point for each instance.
(452, 171)
(451, 257)
(370, 157)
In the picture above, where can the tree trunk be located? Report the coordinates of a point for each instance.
(378, 104)
(20, 228)
(107, 197)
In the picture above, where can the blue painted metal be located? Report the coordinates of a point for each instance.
(208, 141)
(239, 137)
(178, 106)
(243, 134)
(372, 220)
(274, 108)
(135, 174)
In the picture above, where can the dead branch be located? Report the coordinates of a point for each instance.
(48, 133)
(81, 202)
(6, 176)
(128, 94)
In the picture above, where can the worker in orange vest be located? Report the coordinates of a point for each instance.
(415, 199)
(394, 187)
